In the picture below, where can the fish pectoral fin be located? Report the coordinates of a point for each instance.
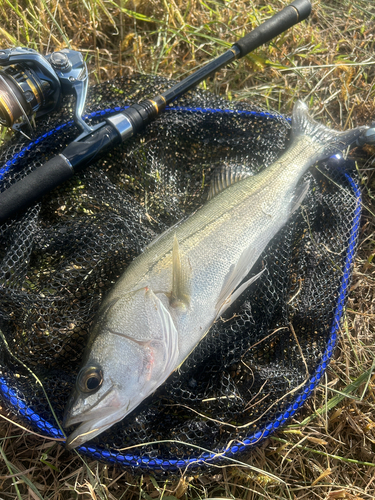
(234, 277)
(234, 296)
(224, 176)
(165, 332)
(299, 195)
(181, 278)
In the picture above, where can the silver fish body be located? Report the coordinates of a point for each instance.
(168, 298)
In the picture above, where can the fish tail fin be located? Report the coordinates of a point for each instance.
(329, 140)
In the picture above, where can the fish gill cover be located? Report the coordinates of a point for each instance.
(257, 365)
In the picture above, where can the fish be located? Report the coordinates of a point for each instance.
(171, 294)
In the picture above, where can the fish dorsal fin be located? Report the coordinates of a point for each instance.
(224, 176)
(181, 274)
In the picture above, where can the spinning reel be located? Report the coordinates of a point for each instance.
(32, 85)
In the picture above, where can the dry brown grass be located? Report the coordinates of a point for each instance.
(327, 451)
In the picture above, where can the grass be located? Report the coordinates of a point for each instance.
(327, 450)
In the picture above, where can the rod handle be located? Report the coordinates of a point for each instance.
(36, 184)
(294, 13)
(57, 170)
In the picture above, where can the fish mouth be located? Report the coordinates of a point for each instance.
(92, 428)
(74, 413)
(93, 421)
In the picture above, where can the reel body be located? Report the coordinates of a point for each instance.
(33, 85)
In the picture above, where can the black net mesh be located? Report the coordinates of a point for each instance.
(257, 365)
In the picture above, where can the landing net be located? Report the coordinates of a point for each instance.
(258, 365)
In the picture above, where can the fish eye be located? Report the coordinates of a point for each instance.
(90, 379)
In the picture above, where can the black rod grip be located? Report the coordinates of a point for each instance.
(32, 187)
(292, 14)
(57, 170)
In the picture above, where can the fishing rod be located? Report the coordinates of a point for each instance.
(95, 141)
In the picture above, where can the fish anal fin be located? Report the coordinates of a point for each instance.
(224, 176)
(299, 195)
(181, 274)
